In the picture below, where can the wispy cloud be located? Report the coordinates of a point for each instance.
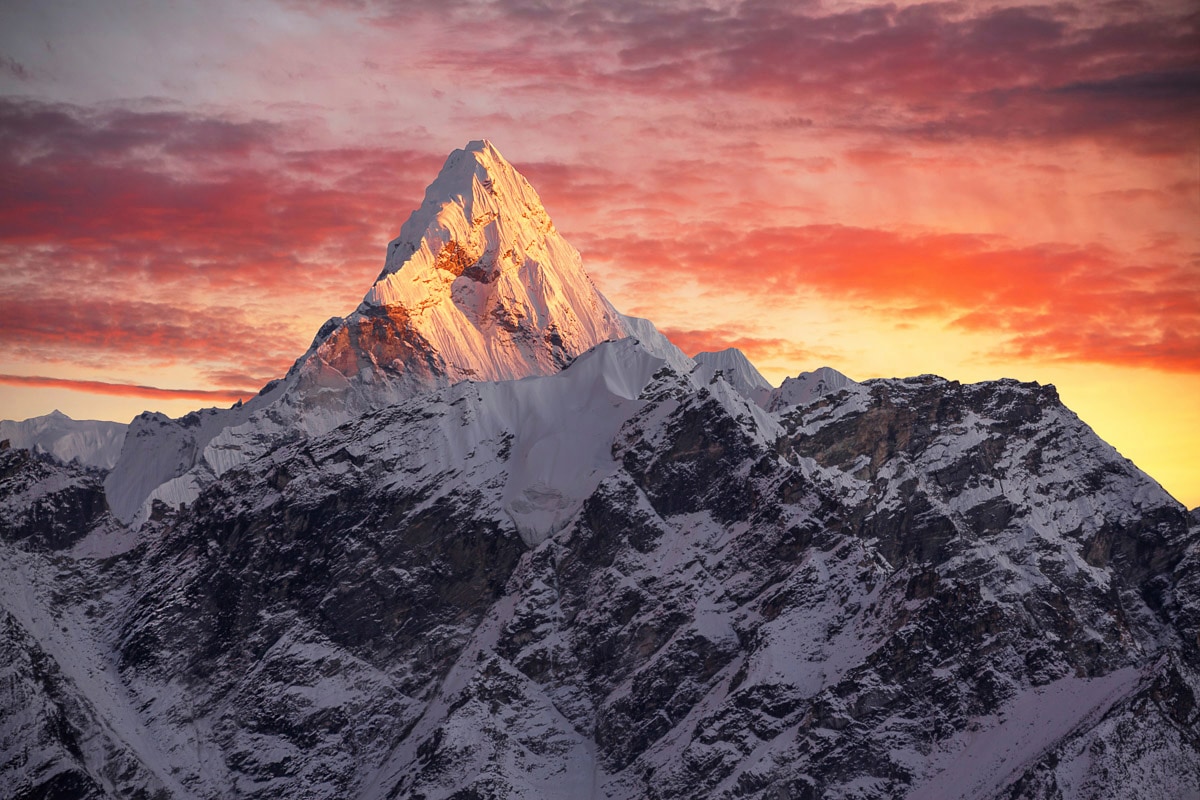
(927, 71)
(759, 349)
(126, 389)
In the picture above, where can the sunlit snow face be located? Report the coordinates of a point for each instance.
(973, 190)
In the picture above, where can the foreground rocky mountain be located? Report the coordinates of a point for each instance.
(630, 575)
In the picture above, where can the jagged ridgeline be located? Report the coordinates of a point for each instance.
(489, 538)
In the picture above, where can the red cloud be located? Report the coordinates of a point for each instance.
(127, 390)
(185, 213)
(73, 329)
(181, 211)
(178, 197)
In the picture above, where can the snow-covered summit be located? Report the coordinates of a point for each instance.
(474, 183)
(807, 386)
(656, 343)
(93, 443)
(479, 285)
(737, 370)
(482, 278)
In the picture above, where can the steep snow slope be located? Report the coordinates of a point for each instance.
(90, 442)
(657, 344)
(481, 274)
(478, 285)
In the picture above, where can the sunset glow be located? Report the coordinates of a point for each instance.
(973, 189)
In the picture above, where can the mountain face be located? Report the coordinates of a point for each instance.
(625, 574)
(478, 286)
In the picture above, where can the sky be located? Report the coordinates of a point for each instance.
(976, 190)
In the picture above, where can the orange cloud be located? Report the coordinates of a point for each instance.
(1050, 300)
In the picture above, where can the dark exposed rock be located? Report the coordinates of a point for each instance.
(45, 504)
(828, 613)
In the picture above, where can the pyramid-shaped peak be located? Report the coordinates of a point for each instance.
(479, 284)
(736, 367)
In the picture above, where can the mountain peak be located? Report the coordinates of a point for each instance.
(93, 443)
(483, 146)
(735, 366)
(807, 386)
(479, 284)
(477, 203)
